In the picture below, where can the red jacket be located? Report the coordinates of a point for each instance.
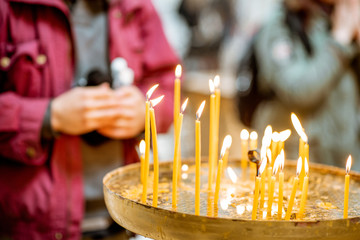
(41, 185)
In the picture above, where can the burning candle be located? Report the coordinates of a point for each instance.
(272, 186)
(281, 184)
(177, 93)
(256, 193)
(304, 190)
(346, 190)
(212, 156)
(147, 141)
(293, 192)
(227, 145)
(263, 177)
(142, 160)
(253, 146)
(303, 145)
(244, 137)
(198, 157)
(177, 155)
(269, 169)
(217, 116)
(153, 103)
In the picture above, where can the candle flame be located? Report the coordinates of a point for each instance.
(142, 147)
(178, 71)
(298, 166)
(244, 134)
(151, 91)
(284, 135)
(275, 136)
(226, 145)
(348, 164)
(200, 110)
(277, 164)
(298, 127)
(228, 140)
(232, 174)
(306, 166)
(282, 162)
(183, 106)
(216, 81)
(211, 86)
(253, 135)
(262, 166)
(268, 154)
(266, 141)
(155, 101)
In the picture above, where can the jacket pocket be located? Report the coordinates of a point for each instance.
(21, 66)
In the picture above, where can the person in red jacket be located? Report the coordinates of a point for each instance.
(44, 49)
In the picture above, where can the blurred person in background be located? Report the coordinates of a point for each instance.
(46, 47)
(307, 61)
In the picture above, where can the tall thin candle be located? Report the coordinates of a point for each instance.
(198, 157)
(293, 192)
(347, 183)
(217, 185)
(281, 184)
(212, 156)
(244, 137)
(147, 142)
(142, 160)
(177, 93)
(228, 141)
(272, 186)
(304, 190)
(177, 155)
(153, 103)
(257, 186)
(217, 116)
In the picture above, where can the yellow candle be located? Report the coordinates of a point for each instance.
(253, 146)
(217, 186)
(147, 151)
(217, 117)
(293, 192)
(256, 198)
(281, 184)
(198, 157)
(177, 155)
(212, 156)
(177, 93)
(244, 137)
(272, 186)
(153, 103)
(274, 147)
(262, 192)
(142, 160)
(147, 142)
(304, 190)
(346, 190)
(256, 193)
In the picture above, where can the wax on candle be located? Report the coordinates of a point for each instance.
(244, 137)
(258, 179)
(177, 93)
(272, 186)
(217, 186)
(142, 160)
(198, 157)
(177, 155)
(293, 192)
(212, 156)
(147, 142)
(281, 184)
(304, 190)
(153, 103)
(347, 183)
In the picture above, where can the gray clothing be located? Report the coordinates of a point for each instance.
(320, 89)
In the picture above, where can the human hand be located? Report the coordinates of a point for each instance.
(84, 109)
(346, 21)
(131, 114)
